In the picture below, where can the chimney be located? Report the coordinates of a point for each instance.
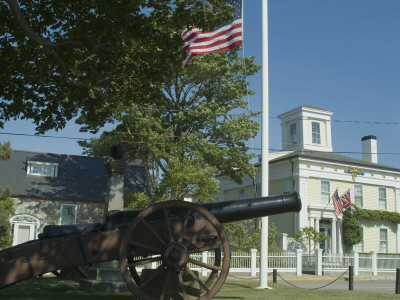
(369, 149)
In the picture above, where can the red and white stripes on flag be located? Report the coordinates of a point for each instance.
(337, 203)
(220, 39)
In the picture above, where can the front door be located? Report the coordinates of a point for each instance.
(23, 233)
(24, 228)
(325, 227)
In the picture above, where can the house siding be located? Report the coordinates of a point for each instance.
(284, 223)
(371, 235)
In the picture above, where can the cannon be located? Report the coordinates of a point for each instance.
(170, 235)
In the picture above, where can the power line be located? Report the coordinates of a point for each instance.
(43, 136)
(140, 142)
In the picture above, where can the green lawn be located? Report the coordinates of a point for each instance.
(55, 289)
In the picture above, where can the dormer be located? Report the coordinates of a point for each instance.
(306, 128)
(45, 169)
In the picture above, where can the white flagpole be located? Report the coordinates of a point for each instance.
(264, 147)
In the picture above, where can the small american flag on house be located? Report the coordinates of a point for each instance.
(222, 38)
(337, 203)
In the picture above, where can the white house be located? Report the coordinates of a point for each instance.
(308, 165)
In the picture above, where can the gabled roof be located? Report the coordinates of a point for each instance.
(79, 178)
(331, 157)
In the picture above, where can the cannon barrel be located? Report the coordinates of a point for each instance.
(237, 210)
(224, 211)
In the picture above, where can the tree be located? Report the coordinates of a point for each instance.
(88, 59)
(195, 131)
(310, 235)
(352, 230)
(6, 211)
(5, 150)
(6, 203)
(245, 235)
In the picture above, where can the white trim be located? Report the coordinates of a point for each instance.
(387, 238)
(379, 200)
(25, 220)
(31, 164)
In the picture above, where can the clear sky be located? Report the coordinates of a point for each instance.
(338, 55)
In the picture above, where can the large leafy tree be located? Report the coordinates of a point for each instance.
(68, 59)
(195, 130)
(6, 203)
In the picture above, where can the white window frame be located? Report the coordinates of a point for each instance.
(358, 199)
(380, 199)
(37, 168)
(293, 135)
(384, 242)
(325, 194)
(74, 209)
(316, 135)
(25, 220)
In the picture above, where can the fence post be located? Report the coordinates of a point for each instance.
(299, 262)
(253, 262)
(275, 276)
(318, 262)
(283, 241)
(397, 290)
(374, 258)
(351, 278)
(204, 260)
(356, 262)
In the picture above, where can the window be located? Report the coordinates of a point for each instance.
(316, 133)
(258, 186)
(293, 134)
(68, 214)
(242, 194)
(382, 198)
(42, 169)
(325, 192)
(358, 195)
(383, 240)
(287, 186)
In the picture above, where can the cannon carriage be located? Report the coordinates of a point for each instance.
(169, 234)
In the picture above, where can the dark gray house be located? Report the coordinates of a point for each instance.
(58, 189)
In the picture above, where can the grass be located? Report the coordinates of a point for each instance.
(55, 289)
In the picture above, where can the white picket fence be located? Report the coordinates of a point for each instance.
(317, 262)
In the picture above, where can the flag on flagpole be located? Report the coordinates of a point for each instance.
(222, 38)
(337, 203)
(345, 198)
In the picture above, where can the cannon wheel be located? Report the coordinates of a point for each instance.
(172, 246)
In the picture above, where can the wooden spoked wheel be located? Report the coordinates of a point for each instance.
(163, 246)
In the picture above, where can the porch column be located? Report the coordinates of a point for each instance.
(312, 224)
(334, 250)
(316, 247)
(317, 224)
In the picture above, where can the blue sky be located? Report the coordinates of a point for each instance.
(339, 55)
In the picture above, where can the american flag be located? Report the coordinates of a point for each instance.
(337, 203)
(222, 38)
